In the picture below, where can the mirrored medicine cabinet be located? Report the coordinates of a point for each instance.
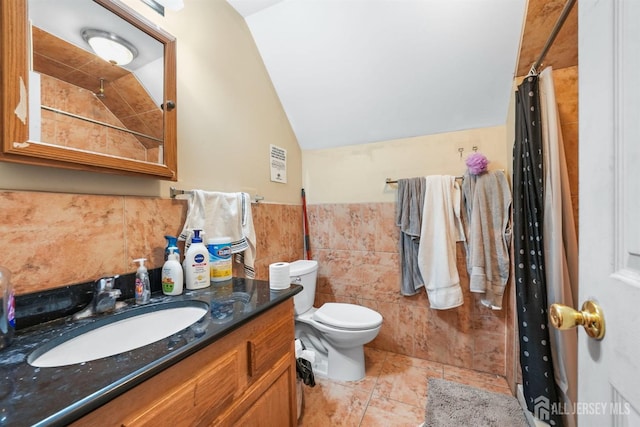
(65, 106)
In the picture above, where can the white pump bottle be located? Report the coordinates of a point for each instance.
(172, 275)
(196, 263)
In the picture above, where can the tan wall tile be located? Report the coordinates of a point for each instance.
(55, 239)
(51, 240)
(368, 271)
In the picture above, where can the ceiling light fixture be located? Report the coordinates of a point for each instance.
(109, 46)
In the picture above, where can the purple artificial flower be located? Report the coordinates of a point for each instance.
(477, 163)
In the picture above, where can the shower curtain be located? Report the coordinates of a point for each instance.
(529, 256)
(560, 245)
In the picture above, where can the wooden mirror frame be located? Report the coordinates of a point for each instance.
(14, 89)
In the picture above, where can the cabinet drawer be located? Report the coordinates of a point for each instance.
(266, 348)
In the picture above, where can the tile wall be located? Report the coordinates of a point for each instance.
(356, 246)
(61, 129)
(55, 239)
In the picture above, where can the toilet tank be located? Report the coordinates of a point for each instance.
(305, 273)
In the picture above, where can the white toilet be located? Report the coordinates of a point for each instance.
(335, 332)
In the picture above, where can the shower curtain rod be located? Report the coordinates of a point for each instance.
(554, 33)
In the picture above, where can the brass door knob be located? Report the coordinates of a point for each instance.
(591, 317)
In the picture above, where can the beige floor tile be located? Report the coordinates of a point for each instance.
(383, 412)
(483, 380)
(333, 404)
(401, 360)
(404, 379)
(392, 394)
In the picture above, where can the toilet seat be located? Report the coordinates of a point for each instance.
(347, 316)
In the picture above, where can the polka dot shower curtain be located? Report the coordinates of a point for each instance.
(531, 295)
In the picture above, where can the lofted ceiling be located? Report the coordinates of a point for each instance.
(359, 71)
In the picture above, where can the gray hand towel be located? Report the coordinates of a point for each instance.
(410, 201)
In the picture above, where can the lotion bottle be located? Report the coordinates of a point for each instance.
(196, 261)
(143, 286)
(172, 276)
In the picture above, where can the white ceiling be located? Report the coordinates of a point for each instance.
(359, 71)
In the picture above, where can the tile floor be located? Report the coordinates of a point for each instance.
(392, 394)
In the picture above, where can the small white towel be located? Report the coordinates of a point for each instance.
(223, 214)
(441, 229)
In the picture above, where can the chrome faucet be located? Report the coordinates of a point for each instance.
(104, 298)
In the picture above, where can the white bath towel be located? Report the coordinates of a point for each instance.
(441, 229)
(223, 214)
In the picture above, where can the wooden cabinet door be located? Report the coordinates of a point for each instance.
(273, 408)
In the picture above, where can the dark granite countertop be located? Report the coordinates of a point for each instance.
(60, 395)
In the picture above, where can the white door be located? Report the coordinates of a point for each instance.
(609, 226)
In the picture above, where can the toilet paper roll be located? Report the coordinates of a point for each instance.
(279, 277)
(308, 355)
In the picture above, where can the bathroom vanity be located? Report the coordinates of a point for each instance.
(236, 366)
(245, 378)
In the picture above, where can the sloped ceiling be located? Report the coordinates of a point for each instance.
(359, 71)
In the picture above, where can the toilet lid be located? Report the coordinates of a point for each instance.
(347, 316)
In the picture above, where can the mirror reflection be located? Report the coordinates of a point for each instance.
(104, 105)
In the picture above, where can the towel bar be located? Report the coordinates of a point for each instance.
(173, 192)
(395, 181)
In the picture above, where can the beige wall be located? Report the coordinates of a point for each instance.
(356, 174)
(228, 115)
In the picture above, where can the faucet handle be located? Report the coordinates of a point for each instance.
(105, 283)
(110, 281)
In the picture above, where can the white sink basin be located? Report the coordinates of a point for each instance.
(108, 337)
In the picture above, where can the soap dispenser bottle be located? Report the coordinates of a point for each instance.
(143, 287)
(7, 309)
(172, 243)
(196, 261)
(172, 276)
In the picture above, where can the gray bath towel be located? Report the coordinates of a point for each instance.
(410, 201)
(487, 204)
